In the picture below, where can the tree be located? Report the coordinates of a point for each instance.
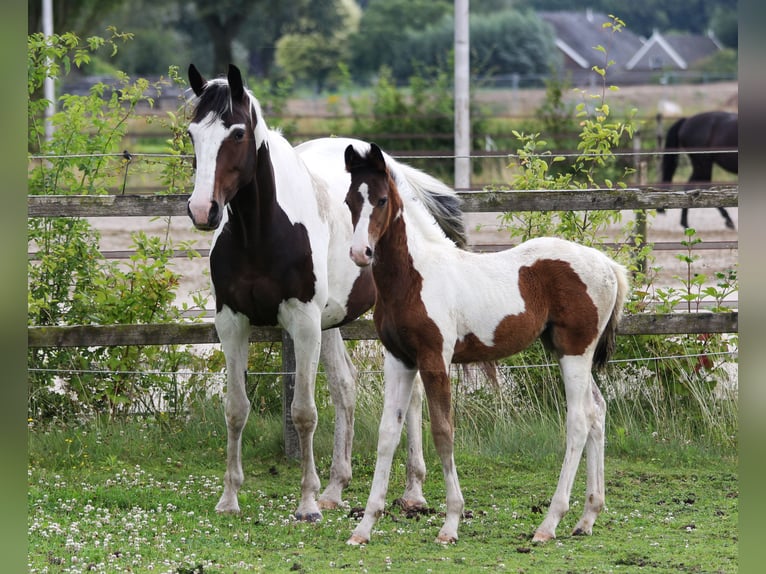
(385, 25)
(223, 20)
(80, 17)
(314, 56)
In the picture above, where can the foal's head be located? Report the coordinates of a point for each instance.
(227, 130)
(373, 200)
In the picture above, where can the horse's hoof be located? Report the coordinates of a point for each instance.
(357, 540)
(308, 517)
(328, 504)
(446, 539)
(580, 532)
(542, 537)
(227, 509)
(411, 505)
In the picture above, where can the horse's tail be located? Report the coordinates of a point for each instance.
(439, 199)
(608, 341)
(670, 160)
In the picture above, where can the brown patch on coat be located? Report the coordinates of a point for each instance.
(557, 308)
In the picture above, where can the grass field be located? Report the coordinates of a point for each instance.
(139, 497)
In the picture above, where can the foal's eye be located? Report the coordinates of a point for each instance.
(382, 201)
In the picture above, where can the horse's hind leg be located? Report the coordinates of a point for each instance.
(233, 330)
(341, 379)
(580, 417)
(594, 488)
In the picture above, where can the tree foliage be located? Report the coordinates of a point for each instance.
(385, 28)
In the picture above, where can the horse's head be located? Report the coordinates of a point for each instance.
(373, 200)
(225, 132)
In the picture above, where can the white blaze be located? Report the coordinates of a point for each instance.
(360, 241)
(207, 135)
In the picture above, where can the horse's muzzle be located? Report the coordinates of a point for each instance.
(362, 258)
(205, 220)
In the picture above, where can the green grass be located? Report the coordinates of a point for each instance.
(139, 496)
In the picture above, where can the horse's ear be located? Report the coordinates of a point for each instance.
(353, 159)
(375, 157)
(196, 81)
(235, 83)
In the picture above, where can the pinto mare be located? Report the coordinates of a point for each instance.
(438, 304)
(716, 132)
(279, 256)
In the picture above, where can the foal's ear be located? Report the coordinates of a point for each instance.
(235, 83)
(376, 159)
(353, 159)
(196, 81)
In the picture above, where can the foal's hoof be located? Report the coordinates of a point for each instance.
(542, 537)
(327, 504)
(580, 532)
(357, 540)
(308, 517)
(446, 539)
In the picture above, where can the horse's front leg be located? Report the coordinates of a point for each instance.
(396, 400)
(439, 394)
(233, 331)
(416, 466)
(303, 323)
(341, 379)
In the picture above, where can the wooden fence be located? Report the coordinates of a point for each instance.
(361, 329)
(473, 201)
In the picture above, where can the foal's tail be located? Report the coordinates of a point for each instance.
(670, 160)
(608, 341)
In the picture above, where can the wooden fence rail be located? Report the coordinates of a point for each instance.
(361, 329)
(473, 201)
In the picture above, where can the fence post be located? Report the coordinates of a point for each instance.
(292, 444)
(640, 167)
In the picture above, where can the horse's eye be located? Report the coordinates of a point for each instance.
(382, 201)
(238, 135)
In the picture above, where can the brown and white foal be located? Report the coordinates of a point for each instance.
(438, 304)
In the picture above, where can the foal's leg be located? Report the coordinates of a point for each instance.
(303, 322)
(233, 331)
(396, 399)
(577, 382)
(341, 380)
(594, 488)
(437, 385)
(416, 465)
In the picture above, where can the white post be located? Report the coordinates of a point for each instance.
(462, 100)
(48, 85)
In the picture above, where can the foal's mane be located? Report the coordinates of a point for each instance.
(438, 199)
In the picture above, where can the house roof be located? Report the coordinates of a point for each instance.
(578, 33)
(673, 51)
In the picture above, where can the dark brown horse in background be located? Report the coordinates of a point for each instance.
(715, 132)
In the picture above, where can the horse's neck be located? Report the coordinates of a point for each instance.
(398, 250)
(253, 207)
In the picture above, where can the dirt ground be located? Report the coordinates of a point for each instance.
(672, 100)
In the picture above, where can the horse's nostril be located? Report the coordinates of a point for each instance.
(368, 252)
(212, 216)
